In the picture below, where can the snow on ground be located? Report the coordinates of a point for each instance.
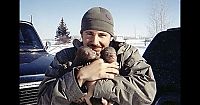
(141, 50)
(140, 44)
(53, 49)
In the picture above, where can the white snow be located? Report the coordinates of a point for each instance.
(140, 44)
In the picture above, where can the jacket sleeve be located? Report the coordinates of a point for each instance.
(136, 84)
(57, 88)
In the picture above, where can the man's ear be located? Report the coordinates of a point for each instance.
(81, 34)
(111, 38)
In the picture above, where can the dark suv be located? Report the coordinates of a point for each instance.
(34, 61)
(164, 55)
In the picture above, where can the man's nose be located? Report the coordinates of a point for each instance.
(95, 40)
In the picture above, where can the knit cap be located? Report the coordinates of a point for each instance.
(98, 18)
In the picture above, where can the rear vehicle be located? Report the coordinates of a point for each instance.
(34, 61)
(163, 54)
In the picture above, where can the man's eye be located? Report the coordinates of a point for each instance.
(102, 35)
(89, 33)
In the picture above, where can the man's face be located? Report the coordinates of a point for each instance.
(97, 40)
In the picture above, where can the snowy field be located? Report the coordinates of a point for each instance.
(137, 43)
(141, 50)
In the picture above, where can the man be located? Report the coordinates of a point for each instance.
(64, 84)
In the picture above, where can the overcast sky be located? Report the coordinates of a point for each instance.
(130, 16)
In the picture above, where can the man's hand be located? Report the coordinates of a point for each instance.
(97, 70)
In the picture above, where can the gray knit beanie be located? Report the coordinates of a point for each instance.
(98, 18)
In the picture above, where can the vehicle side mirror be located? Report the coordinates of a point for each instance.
(47, 45)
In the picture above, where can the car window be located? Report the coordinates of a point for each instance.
(28, 38)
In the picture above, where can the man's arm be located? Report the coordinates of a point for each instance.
(59, 85)
(54, 91)
(62, 83)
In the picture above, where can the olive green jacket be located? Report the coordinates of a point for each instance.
(135, 85)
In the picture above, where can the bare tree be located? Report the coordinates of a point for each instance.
(159, 19)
